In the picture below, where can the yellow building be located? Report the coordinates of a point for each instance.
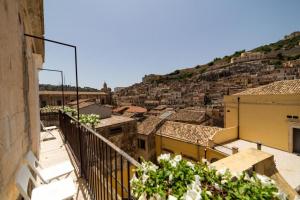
(268, 114)
(190, 140)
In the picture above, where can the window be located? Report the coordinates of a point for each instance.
(141, 144)
(116, 130)
(58, 102)
(43, 104)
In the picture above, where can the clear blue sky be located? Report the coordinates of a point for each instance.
(119, 41)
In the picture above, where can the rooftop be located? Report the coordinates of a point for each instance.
(113, 120)
(192, 133)
(189, 116)
(148, 125)
(131, 109)
(69, 93)
(276, 88)
(242, 161)
(287, 163)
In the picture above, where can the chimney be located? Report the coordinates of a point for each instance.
(235, 150)
(258, 145)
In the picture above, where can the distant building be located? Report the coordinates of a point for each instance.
(54, 98)
(248, 56)
(118, 89)
(122, 131)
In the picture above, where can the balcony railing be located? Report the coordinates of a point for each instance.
(104, 166)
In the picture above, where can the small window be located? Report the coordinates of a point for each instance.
(43, 104)
(116, 130)
(141, 144)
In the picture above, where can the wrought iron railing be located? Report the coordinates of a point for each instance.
(105, 167)
(50, 118)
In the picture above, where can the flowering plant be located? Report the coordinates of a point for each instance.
(89, 119)
(50, 109)
(69, 110)
(175, 178)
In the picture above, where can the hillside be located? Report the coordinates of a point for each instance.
(281, 51)
(49, 87)
(205, 85)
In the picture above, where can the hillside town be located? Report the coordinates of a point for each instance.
(204, 86)
(228, 129)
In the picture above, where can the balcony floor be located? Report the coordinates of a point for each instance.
(53, 151)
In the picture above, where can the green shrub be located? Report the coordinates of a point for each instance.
(175, 178)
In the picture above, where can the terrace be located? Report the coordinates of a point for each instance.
(102, 170)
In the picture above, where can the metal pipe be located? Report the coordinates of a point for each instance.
(238, 118)
(62, 82)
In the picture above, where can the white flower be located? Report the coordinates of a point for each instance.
(221, 171)
(223, 182)
(205, 161)
(264, 179)
(152, 167)
(247, 177)
(133, 179)
(236, 174)
(193, 195)
(280, 195)
(216, 185)
(191, 165)
(177, 158)
(209, 193)
(173, 163)
(157, 196)
(170, 197)
(171, 177)
(143, 196)
(144, 178)
(164, 157)
(197, 179)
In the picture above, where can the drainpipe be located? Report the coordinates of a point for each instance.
(238, 118)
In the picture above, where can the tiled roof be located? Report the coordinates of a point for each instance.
(46, 92)
(188, 116)
(279, 87)
(131, 109)
(148, 125)
(71, 103)
(192, 133)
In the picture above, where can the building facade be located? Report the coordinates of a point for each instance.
(268, 114)
(54, 98)
(20, 58)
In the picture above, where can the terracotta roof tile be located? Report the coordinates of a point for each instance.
(196, 134)
(279, 87)
(131, 109)
(188, 116)
(148, 125)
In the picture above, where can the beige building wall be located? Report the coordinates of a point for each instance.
(19, 59)
(263, 118)
(187, 150)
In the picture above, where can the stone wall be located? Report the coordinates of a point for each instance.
(19, 59)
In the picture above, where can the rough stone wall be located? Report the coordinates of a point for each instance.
(19, 116)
